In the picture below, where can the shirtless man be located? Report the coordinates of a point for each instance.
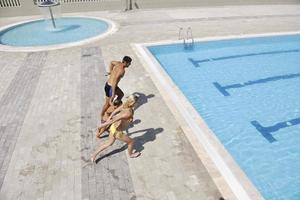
(116, 72)
(119, 121)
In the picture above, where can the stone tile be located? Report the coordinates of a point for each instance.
(15, 102)
(101, 179)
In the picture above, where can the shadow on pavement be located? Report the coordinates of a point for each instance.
(148, 136)
(142, 99)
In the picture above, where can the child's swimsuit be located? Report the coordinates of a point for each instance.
(116, 133)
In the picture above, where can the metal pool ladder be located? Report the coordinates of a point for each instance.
(188, 39)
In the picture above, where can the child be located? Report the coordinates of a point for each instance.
(119, 121)
(117, 103)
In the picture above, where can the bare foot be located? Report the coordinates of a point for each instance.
(93, 158)
(135, 154)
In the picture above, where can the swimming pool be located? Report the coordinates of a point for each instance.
(69, 30)
(247, 91)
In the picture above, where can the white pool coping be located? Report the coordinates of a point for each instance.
(112, 28)
(195, 127)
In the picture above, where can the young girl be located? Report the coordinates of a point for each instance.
(117, 103)
(119, 121)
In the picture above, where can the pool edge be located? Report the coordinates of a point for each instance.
(112, 28)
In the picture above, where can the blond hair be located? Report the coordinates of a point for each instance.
(131, 100)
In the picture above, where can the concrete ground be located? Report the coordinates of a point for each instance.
(50, 102)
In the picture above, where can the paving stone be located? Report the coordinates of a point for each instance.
(15, 102)
(104, 179)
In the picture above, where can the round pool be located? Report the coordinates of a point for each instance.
(69, 30)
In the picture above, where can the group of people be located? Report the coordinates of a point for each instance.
(116, 115)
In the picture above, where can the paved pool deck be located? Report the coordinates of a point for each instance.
(50, 103)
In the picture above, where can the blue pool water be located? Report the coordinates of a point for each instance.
(248, 92)
(40, 33)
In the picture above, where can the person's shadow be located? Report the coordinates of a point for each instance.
(124, 147)
(132, 124)
(142, 99)
(148, 136)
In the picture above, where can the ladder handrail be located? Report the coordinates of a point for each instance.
(189, 34)
(180, 35)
